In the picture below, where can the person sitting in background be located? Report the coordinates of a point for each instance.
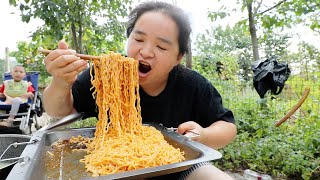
(16, 91)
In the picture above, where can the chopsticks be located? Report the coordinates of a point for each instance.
(82, 56)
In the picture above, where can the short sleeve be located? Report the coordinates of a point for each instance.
(2, 88)
(210, 107)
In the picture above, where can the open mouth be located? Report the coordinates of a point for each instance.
(144, 67)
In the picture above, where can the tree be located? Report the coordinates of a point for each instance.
(91, 27)
(310, 58)
(275, 44)
(220, 48)
(287, 13)
(284, 13)
(253, 30)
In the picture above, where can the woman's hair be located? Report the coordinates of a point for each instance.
(174, 12)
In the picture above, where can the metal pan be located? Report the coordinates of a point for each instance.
(64, 121)
(72, 168)
(11, 147)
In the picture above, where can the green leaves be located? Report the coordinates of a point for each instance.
(13, 2)
(25, 18)
(223, 45)
(291, 150)
(213, 16)
(59, 16)
(90, 27)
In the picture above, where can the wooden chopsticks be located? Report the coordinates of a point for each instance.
(82, 56)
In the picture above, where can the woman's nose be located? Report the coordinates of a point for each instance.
(147, 51)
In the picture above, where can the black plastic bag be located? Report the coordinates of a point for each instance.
(269, 75)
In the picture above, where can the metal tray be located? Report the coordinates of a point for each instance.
(35, 157)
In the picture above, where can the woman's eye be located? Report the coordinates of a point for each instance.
(161, 48)
(138, 40)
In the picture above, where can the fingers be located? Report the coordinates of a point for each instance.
(71, 70)
(191, 130)
(69, 77)
(191, 134)
(57, 53)
(190, 125)
(62, 45)
(63, 64)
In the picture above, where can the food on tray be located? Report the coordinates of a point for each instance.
(121, 143)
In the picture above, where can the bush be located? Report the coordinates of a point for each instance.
(291, 150)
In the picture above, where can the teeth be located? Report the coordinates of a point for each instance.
(145, 63)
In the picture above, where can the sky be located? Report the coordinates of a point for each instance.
(14, 30)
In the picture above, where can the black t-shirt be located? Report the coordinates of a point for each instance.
(188, 96)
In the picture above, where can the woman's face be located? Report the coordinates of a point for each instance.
(154, 43)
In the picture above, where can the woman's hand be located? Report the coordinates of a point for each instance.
(218, 135)
(189, 129)
(63, 65)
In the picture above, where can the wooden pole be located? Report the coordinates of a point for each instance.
(7, 63)
(301, 101)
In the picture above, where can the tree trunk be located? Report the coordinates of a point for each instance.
(306, 65)
(80, 39)
(74, 37)
(189, 56)
(253, 32)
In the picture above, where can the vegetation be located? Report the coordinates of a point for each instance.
(77, 23)
(224, 55)
(289, 151)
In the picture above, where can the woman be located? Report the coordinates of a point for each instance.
(158, 34)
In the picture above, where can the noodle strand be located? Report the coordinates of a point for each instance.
(121, 142)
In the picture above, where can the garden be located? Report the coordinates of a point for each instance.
(224, 54)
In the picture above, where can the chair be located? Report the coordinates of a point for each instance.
(28, 112)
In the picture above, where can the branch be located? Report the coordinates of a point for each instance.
(278, 4)
(294, 109)
(256, 10)
(74, 36)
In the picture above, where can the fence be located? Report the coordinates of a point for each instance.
(241, 97)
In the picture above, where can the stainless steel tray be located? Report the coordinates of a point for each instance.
(34, 165)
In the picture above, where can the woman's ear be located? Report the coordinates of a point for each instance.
(180, 56)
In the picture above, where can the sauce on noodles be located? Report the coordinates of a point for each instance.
(121, 142)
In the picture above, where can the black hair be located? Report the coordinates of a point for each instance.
(174, 12)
